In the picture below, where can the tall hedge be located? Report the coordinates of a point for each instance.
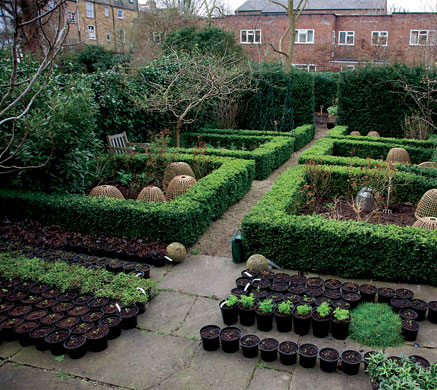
(325, 89)
(372, 98)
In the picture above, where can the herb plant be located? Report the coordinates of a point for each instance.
(341, 314)
(232, 300)
(285, 307)
(303, 310)
(266, 306)
(324, 310)
(247, 301)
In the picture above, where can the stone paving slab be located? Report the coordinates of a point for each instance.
(270, 379)
(29, 378)
(157, 273)
(8, 348)
(135, 360)
(166, 312)
(203, 275)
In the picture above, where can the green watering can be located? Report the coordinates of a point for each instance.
(237, 247)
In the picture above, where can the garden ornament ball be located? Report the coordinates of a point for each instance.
(257, 262)
(176, 252)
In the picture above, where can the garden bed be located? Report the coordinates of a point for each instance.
(345, 248)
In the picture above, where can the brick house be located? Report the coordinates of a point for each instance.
(108, 23)
(337, 34)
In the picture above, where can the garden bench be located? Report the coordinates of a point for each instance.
(118, 144)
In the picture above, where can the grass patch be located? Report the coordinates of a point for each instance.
(376, 325)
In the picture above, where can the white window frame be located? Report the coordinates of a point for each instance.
(92, 34)
(157, 37)
(350, 67)
(108, 36)
(251, 34)
(90, 10)
(123, 35)
(379, 36)
(304, 32)
(347, 34)
(71, 17)
(333, 37)
(430, 37)
(131, 1)
(307, 67)
(107, 12)
(120, 14)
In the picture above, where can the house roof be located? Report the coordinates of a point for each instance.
(265, 6)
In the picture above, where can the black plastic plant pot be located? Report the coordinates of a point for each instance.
(129, 316)
(328, 359)
(38, 335)
(269, 349)
(23, 329)
(8, 326)
(351, 361)
(368, 292)
(366, 358)
(340, 329)
(210, 337)
(420, 307)
(82, 327)
(288, 353)
(353, 298)
(113, 322)
(421, 361)
(230, 339)
(301, 324)
(158, 261)
(284, 322)
(432, 312)
(385, 294)
(76, 346)
(308, 355)
(410, 329)
(404, 293)
(247, 316)
(93, 315)
(264, 321)
(229, 313)
(397, 304)
(97, 338)
(320, 325)
(55, 341)
(249, 345)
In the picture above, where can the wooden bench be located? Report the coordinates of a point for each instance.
(118, 144)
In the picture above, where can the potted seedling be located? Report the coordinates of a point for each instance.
(351, 361)
(340, 322)
(284, 316)
(113, 322)
(321, 318)
(420, 307)
(368, 292)
(288, 352)
(328, 359)
(75, 346)
(410, 329)
(97, 338)
(264, 315)
(249, 345)
(23, 329)
(385, 294)
(229, 309)
(210, 337)
(56, 339)
(302, 319)
(230, 339)
(38, 335)
(247, 309)
(308, 355)
(269, 349)
(432, 312)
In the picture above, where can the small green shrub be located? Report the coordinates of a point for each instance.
(324, 309)
(266, 306)
(376, 325)
(341, 314)
(232, 300)
(247, 301)
(285, 307)
(303, 310)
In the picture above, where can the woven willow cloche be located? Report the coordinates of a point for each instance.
(151, 194)
(429, 223)
(176, 169)
(106, 190)
(427, 206)
(398, 155)
(356, 133)
(178, 186)
(373, 134)
(428, 164)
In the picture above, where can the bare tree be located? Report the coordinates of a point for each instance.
(41, 28)
(181, 84)
(294, 10)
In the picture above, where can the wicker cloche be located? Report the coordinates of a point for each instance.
(429, 223)
(398, 155)
(179, 185)
(355, 133)
(151, 194)
(106, 190)
(373, 134)
(428, 164)
(176, 169)
(427, 206)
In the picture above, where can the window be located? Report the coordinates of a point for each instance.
(250, 36)
(307, 67)
(123, 35)
(333, 37)
(91, 32)
(90, 10)
(108, 36)
(423, 37)
(157, 37)
(379, 38)
(131, 1)
(346, 38)
(120, 14)
(107, 12)
(350, 67)
(304, 36)
(72, 17)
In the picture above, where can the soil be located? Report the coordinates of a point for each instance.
(314, 291)
(332, 294)
(66, 296)
(51, 293)
(78, 310)
(251, 273)
(114, 321)
(329, 354)
(99, 302)
(111, 308)
(36, 314)
(293, 298)
(45, 303)
(351, 297)
(261, 294)
(26, 327)
(303, 316)
(276, 297)
(408, 314)
(410, 324)
(268, 344)
(386, 292)
(341, 304)
(262, 283)
(38, 288)
(82, 327)
(281, 277)
(10, 283)
(25, 285)
(418, 304)
(433, 305)
(402, 214)
(32, 299)
(68, 322)
(75, 341)
(278, 287)
(237, 292)
(267, 275)
(308, 350)
(298, 280)
(404, 293)
(41, 331)
(351, 357)
(332, 284)
(11, 322)
(128, 312)
(58, 335)
(307, 300)
(16, 296)
(400, 302)
(98, 332)
(51, 318)
(297, 289)
(230, 334)
(82, 299)
(62, 306)
(4, 291)
(349, 287)
(288, 347)
(21, 310)
(368, 289)
(242, 282)
(320, 300)
(314, 282)
(421, 360)
(249, 340)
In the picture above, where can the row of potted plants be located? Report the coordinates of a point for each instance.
(231, 341)
(22, 233)
(283, 286)
(93, 262)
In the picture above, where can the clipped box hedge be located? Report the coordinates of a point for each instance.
(333, 151)
(345, 248)
(182, 220)
(271, 153)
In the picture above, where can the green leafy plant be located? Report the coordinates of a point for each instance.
(266, 306)
(232, 300)
(285, 307)
(303, 310)
(247, 301)
(341, 314)
(376, 325)
(324, 309)
(124, 177)
(332, 110)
